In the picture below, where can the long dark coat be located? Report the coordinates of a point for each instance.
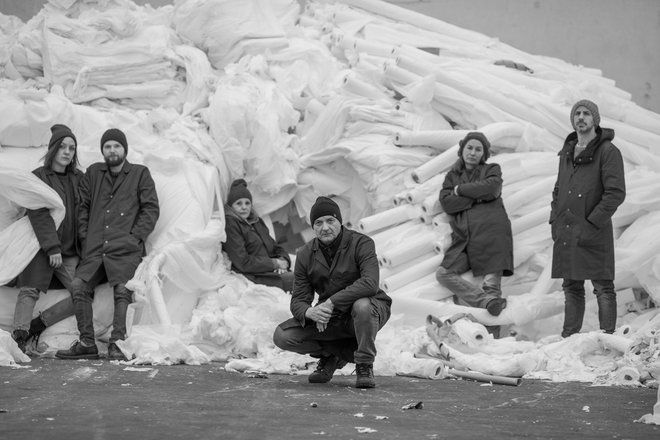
(354, 274)
(251, 248)
(38, 273)
(587, 193)
(480, 225)
(115, 220)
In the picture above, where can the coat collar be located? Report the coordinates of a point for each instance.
(602, 135)
(124, 170)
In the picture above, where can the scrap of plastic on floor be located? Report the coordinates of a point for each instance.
(360, 99)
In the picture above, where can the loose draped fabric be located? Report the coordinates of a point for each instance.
(22, 189)
(588, 191)
(480, 225)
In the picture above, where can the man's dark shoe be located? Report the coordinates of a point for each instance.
(495, 306)
(325, 368)
(114, 353)
(78, 351)
(21, 337)
(365, 376)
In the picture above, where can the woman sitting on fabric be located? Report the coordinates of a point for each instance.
(251, 249)
(59, 250)
(481, 231)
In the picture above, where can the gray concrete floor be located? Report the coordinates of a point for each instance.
(54, 399)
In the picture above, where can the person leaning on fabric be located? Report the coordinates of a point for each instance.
(118, 211)
(341, 266)
(59, 247)
(590, 187)
(481, 231)
(251, 249)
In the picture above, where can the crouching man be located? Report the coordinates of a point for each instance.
(341, 266)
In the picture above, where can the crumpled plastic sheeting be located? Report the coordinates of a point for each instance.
(10, 354)
(248, 118)
(224, 28)
(22, 190)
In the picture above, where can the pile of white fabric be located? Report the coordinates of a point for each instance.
(360, 99)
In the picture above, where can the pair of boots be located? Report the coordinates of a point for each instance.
(327, 366)
(22, 337)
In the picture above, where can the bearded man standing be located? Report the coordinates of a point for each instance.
(590, 187)
(118, 210)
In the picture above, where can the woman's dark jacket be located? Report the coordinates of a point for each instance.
(251, 248)
(63, 240)
(480, 225)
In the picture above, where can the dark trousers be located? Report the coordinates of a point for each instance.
(574, 305)
(83, 296)
(351, 337)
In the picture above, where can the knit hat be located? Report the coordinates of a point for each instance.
(59, 132)
(591, 106)
(481, 138)
(114, 134)
(238, 190)
(322, 207)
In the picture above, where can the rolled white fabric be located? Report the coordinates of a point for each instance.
(407, 276)
(620, 343)
(424, 368)
(388, 218)
(624, 330)
(438, 139)
(530, 220)
(362, 88)
(470, 333)
(436, 165)
(408, 250)
(627, 375)
(431, 205)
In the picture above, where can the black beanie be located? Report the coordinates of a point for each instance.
(593, 108)
(238, 190)
(114, 134)
(481, 138)
(59, 132)
(324, 206)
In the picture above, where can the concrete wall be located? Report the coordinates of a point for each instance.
(619, 37)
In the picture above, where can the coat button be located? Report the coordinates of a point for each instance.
(579, 195)
(108, 211)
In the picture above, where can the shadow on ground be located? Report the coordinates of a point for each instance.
(55, 399)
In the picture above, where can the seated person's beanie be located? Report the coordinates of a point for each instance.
(238, 190)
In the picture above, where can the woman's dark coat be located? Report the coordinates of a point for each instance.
(251, 248)
(38, 273)
(587, 193)
(479, 223)
(116, 217)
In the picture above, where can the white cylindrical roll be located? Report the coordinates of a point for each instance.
(408, 276)
(408, 250)
(388, 218)
(436, 165)
(431, 205)
(470, 333)
(627, 375)
(440, 140)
